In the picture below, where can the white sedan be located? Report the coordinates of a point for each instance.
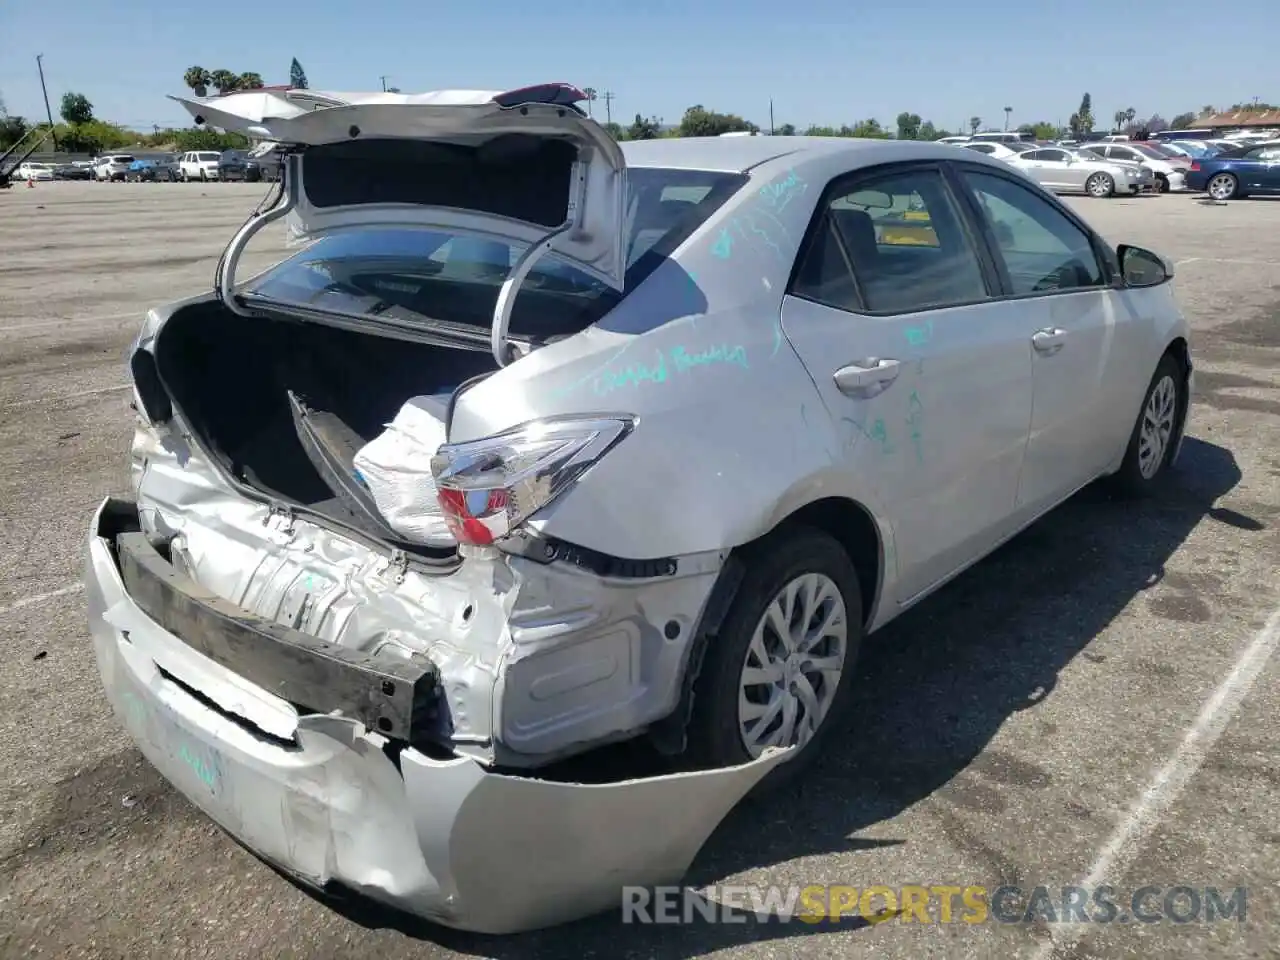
(1074, 171)
(34, 171)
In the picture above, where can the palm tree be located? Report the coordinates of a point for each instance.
(224, 81)
(198, 79)
(1118, 116)
(1007, 111)
(591, 95)
(250, 81)
(1129, 115)
(974, 124)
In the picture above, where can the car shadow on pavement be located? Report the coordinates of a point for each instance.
(935, 686)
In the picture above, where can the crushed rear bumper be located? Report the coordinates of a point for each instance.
(328, 799)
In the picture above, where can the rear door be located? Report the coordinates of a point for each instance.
(1084, 344)
(929, 376)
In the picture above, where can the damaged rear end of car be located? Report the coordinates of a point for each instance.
(332, 620)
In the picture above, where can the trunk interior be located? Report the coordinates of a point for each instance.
(232, 377)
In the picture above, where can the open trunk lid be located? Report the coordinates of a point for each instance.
(524, 167)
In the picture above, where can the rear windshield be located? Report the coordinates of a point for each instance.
(441, 276)
(122, 159)
(200, 157)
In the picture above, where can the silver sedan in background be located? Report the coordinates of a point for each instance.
(1070, 171)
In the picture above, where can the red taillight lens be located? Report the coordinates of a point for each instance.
(1195, 166)
(465, 511)
(489, 487)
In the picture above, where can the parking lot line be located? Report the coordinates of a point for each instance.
(42, 597)
(40, 324)
(65, 396)
(1246, 263)
(1172, 778)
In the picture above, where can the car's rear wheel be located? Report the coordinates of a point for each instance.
(1162, 183)
(1157, 432)
(1100, 185)
(778, 674)
(1222, 186)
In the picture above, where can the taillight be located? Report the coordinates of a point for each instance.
(1195, 166)
(489, 487)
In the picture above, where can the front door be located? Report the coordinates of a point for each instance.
(928, 377)
(1082, 338)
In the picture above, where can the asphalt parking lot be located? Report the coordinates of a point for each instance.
(1093, 704)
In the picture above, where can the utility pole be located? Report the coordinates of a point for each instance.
(48, 113)
(607, 97)
(771, 116)
(384, 84)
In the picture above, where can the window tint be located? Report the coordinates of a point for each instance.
(1035, 155)
(1264, 153)
(1042, 249)
(981, 147)
(895, 244)
(1124, 153)
(1055, 156)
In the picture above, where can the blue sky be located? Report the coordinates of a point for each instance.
(822, 61)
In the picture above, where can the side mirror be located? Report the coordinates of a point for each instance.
(1142, 268)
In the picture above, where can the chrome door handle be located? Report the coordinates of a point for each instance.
(1049, 341)
(866, 378)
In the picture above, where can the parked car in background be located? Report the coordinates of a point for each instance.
(233, 165)
(1169, 175)
(997, 151)
(1063, 170)
(152, 169)
(1007, 136)
(198, 165)
(956, 139)
(111, 167)
(72, 171)
(265, 162)
(1194, 149)
(1253, 171)
(34, 170)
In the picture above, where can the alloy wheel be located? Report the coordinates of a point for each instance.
(793, 665)
(1222, 187)
(1157, 427)
(1098, 185)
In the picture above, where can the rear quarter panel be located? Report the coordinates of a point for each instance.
(731, 432)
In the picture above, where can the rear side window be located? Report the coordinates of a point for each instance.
(894, 244)
(1042, 249)
(455, 278)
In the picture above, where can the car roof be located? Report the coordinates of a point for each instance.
(740, 154)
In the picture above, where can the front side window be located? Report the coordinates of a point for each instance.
(1054, 156)
(893, 244)
(1042, 248)
(425, 275)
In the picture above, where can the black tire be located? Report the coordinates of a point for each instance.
(1163, 182)
(204, 178)
(1137, 477)
(714, 737)
(1100, 185)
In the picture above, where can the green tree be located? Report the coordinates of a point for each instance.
(224, 81)
(591, 97)
(698, 121)
(615, 130)
(250, 81)
(870, 129)
(76, 109)
(974, 124)
(644, 129)
(198, 79)
(786, 130)
(1182, 121)
(12, 129)
(297, 77)
(909, 126)
(1041, 130)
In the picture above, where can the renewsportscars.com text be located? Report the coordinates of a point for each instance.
(934, 903)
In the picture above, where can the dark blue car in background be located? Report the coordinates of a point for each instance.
(1255, 170)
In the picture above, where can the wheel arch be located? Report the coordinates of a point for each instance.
(848, 521)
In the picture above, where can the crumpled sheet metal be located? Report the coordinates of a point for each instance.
(445, 839)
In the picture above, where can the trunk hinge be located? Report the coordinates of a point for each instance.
(503, 352)
(225, 275)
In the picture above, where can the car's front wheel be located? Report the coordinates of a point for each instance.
(778, 674)
(1157, 432)
(1100, 185)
